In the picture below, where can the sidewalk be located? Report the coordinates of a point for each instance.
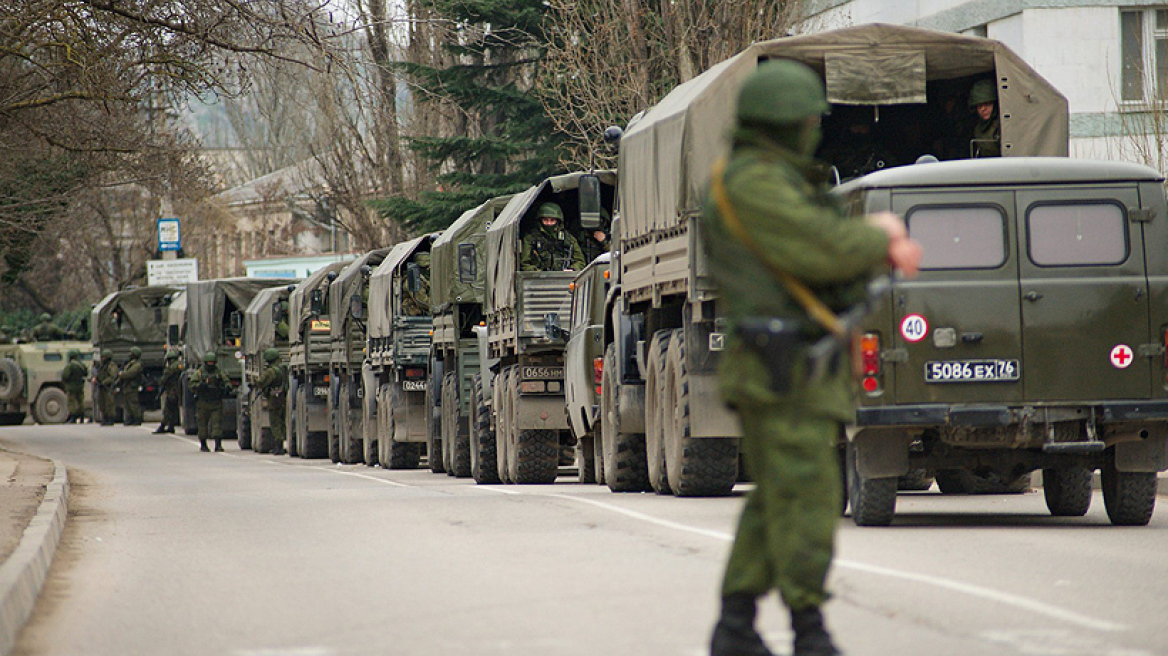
(33, 499)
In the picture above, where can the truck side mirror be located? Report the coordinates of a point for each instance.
(468, 263)
(235, 324)
(413, 277)
(356, 307)
(589, 197)
(316, 302)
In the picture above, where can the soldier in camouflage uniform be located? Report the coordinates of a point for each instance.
(210, 386)
(171, 384)
(45, 331)
(594, 243)
(987, 134)
(130, 380)
(769, 217)
(273, 384)
(73, 377)
(416, 303)
(548, 246)
(105, 379)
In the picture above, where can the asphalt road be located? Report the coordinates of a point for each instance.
(170, 551)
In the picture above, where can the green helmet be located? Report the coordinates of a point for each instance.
(74, 354)
(423, 259)
(46, 317)
(781, 92)
(271, 355)
(982, 91)
(171, 354)
(210, 358)
(552, 210)
(135, 352)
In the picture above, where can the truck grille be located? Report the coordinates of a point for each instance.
(542, 296)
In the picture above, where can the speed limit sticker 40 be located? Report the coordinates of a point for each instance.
(913, 328)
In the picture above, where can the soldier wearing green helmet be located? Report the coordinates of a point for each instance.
(210, 386)
(171, 384)
(73, 378)
(130, 382)
(548, 246)
(273, 384)
(770, 228)
(45, 331)
(987, 133)
(416, 303)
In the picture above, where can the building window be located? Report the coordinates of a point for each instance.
(1144, 54)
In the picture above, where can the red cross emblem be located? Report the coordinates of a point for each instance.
(1121, 356)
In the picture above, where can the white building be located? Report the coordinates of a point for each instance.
(1109, 59)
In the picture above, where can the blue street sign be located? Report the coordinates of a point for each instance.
(168, 235)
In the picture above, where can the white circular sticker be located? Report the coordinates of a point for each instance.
(914, 328)
(1121, 356)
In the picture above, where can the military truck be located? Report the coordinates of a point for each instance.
(399, 350)
(458, 270)
(30, 381)
(1034, 337)
(347, 303)
(265, 326)
(135, 317)
(214, 323)
(176, 320)
(584, 358)
(527, 323)
(897, 93)
(308, 364)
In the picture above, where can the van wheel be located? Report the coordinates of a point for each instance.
(1130, 497)
(625, 468)
(52, 406)
(1067, 491)
(484, 461)
(11, 379)
(873, 500)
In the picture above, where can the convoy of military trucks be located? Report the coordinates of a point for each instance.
(1034, 339)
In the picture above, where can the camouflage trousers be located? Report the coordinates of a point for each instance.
(786, 533)
(105, 402)
(210, 421)
(171, 402)
(277, 417)
(76, 399)
(131, 405)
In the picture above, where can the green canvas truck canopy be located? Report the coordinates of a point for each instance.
(259, 331)
(346, 284)
(299, 301)
(206, 303)
(381, 308)
(144, 315)
(446, 287)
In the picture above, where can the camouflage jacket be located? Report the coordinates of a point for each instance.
(209, 385)
(131, 375)
(73, 376)
(171, 380)
(550, 250)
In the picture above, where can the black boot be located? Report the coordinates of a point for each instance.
(811, 637)
(218, 445)
(203, 445)
(160, 430)
(734, 634)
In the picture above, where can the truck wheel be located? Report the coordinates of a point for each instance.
(316, 445)
(534, 454)
(350, 447)
(459, 447)
(1067, 491)
(448, 437)
(504, 417)
(625, 468)
(1130, 497)
(655, 413)
(404, 455)
(696, 467)
(384, 426)
(292, 423)
(243, 424)
(585, 459)
(484, 462)
(11, 379)
(52, 406)
(597, 457)
(873, 500)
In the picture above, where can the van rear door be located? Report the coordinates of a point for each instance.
(1084, 295)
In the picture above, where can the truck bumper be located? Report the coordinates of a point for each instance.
(1003, 415)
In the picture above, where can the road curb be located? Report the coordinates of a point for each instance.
(25, 571)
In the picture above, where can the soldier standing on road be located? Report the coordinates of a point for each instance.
(210, 386)
(129, 381)
(770, 220)
(548, 246)
(45, 331)
(273, 384)
(73, 377)
(987, 134)
(171, 384)
(105, 379)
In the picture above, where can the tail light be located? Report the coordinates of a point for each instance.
(597, 372)
(415, 373)
(870, 362)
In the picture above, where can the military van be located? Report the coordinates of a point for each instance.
(897, 93)
(265, 325)
(30, 381)
(458, 269)
(584, 358)
(1034, 337)
(135, 317)
(348, 303)
(399, 351)
(310, 349)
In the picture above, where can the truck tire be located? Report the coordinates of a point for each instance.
(484, 462)
(350, 448)
(370, 416)
(444, 426)
(586, 459)
(11, 380)
(655, 413)
(503, 416)
(696, 467)
(1130, 497)
(400, 455)
(293, 423)
(51, 406)
(1067, 491)
(625, 468)
(459, 447)
(873, 500)
(533, 454)
(243, 424)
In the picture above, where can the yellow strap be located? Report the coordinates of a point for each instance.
(805, 297)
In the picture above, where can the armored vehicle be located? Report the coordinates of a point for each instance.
(897, 93)
(214, 322)
(308, 364)
(583, 363)
(135, 317)
(458, 260)
(527, 324)
(30, 381)
(399, 350)
(347, 303)
(1033, 339)
(265, 325)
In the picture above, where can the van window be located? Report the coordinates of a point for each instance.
(959, 237)
(1077, 234)
(54, 357)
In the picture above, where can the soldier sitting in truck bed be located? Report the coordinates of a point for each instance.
(548, 246)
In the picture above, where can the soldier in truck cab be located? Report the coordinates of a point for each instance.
(987, 133)
(548, 246)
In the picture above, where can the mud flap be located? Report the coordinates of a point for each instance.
(1149, 454)
(881, 452)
